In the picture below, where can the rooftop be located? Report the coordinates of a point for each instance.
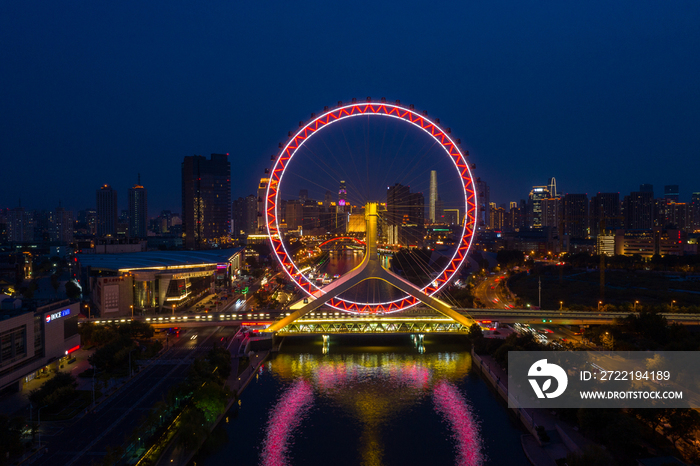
(156, 259)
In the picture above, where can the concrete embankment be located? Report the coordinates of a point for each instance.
(563, 439)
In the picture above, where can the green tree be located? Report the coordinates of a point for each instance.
(72, 290)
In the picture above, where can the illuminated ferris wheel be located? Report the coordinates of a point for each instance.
(412, 121)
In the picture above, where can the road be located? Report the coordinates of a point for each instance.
(492, 293)
(85, 440)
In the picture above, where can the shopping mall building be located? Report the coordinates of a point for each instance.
(154, 281)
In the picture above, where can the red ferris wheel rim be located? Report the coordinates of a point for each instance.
(329, 117)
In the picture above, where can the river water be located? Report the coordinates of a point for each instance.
(371, 401)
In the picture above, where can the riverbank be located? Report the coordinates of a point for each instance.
(175, 455)
(563, 438)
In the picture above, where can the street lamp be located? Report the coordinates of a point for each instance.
(635, 305)
(599, 303)
(672, 303)
(561, 303)
(132, 311)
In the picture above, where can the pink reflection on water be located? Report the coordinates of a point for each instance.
(465, 430)
(284, 418)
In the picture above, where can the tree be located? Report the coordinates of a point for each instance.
(55, 282)
(684, 422)
(72, 290)
(475, 332)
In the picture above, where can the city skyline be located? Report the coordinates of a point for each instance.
(603, 104)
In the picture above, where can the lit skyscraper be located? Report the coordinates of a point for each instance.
(262, 191)
(576, 215)
(138, 210)
(433, 197)
(534, 207)
(206, 199)
(342, 197)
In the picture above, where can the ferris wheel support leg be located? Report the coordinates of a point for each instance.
(429, 301)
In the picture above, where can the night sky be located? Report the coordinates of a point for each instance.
(601, 95)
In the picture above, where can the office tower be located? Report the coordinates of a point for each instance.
(639, 211)
(695, 210)
(483, 195)
(342, 197)
(552, 186)
(679, 216)
(646, 188)
(672, 193)
(497, 217)
(294, 214)
(551, 212)
(534, 207)
(106, 220)
(452, 216)
(245, 216)
(20, 225)
(576, 215)
(605, 212)
(327, 201)
(138, 210)
(262, 202)
(43, 219)
(206, 199)
(513, 205)
(433, 197)
(62, 225)
(405, 215)
(303, 194)
(311, 215)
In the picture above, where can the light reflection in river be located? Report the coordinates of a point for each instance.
(373, 388)
(284, 418)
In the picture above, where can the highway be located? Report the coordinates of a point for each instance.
(492, 294)
(85, 440)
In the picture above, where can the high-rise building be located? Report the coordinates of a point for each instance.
(311, 215)
(452, 216)
(405, 215)
(497, 217)
(245, 216)
(62, 225)
(551, 212)
(342, 197)
(576, 215)
(138, 210)
(639, 210)
(432, 215)
(206, 199)
(106, 220)
(672, 193)
(294, 214)
(20, 225)
(303, 194)
(605, 212)
(695, 210)
(534, 207)
(262, 192)
(483, 195)
(679, 216)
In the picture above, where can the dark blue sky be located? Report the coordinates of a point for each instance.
(602, 95)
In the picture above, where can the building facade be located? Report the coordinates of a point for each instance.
(206, 200)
